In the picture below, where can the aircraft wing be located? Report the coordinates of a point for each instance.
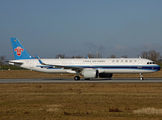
(78, 69)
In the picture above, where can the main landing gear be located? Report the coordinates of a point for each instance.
(76, 78)
(141, 76)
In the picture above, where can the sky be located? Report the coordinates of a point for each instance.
(76, 27)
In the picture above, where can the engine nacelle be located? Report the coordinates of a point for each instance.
(90, 73)
(105, 75)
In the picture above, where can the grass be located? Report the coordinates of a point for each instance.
(148, 111)
(11, 67)
(81, 101)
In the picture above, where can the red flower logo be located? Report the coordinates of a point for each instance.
(18, 51)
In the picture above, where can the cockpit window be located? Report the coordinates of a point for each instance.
(150, 63)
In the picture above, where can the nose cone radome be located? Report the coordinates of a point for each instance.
(158, 68)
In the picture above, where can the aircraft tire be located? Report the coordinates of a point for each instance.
(141, 78)
(76, 78)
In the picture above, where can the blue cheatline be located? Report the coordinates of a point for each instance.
(133, 67)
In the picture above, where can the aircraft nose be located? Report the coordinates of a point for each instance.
(158, 68)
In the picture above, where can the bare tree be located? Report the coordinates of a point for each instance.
(98, 55)
(144, 54)
(78, 56)
(152, 55)
(2, 59)
(160, 59)
(124, 56)
(112, 56)
(60, 56)
(90, 55)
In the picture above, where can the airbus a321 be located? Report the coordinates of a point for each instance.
(87, 67)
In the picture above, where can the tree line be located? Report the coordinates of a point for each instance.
(152, 55)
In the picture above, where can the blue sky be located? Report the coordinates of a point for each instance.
(77, 27)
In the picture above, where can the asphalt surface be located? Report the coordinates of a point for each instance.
(113, 80)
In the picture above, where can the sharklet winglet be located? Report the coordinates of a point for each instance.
(40, 60)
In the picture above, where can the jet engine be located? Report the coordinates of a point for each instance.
(105, 75)
(90, 73)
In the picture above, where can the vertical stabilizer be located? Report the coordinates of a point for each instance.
(19, 50)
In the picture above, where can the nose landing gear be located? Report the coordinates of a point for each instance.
(141, 76)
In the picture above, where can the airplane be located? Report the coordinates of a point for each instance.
(87, 67)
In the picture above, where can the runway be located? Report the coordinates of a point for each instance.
(113, 80)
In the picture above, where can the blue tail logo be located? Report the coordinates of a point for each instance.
(19, 50)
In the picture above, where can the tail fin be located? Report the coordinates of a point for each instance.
(19, 50)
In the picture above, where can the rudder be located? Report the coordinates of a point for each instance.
(19, 50)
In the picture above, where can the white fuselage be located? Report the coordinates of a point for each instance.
(104, 65)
